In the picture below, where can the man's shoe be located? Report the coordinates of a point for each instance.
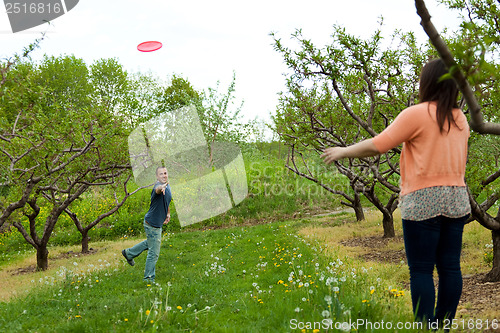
(149, 281)
(131, 262)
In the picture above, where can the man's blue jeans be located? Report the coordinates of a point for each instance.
(152, 244)
(428, 243)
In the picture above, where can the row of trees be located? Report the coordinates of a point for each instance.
(63, 130)
(352, 88)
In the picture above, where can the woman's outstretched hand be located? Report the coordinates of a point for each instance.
(365, 148)
(333, 154)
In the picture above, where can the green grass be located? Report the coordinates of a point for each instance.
(225, 275)
(274, 194)
(242, 279)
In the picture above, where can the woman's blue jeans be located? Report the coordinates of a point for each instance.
(152, 244)
(428, 243)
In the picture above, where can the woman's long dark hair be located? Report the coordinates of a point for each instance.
(444, 92)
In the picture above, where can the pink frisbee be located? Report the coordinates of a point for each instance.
(149, 46)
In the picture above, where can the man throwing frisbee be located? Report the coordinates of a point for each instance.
(157, 215)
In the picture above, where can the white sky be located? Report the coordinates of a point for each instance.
(205, 41)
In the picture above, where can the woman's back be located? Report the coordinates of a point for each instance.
(430, 157)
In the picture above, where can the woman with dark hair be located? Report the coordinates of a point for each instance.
(433, 200)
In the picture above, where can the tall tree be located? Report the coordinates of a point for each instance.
(55, 143)
(85, 225)
(476, 65)
(345, 92)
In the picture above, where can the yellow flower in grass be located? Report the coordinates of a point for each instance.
(126, 319)
(179, 307)
(147, 312)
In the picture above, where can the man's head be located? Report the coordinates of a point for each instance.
(162, 174)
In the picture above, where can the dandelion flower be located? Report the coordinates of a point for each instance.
(148, 312)
(179, 307)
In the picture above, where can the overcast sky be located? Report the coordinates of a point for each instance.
(205, 41)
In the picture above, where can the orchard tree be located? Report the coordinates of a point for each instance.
(110, 91)
(55, 143)
(219, 112)
(85, 228)
(475, 64)
(110, 85)
(480, 35)
(348, 91)
(141, 102)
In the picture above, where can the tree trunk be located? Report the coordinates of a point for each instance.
(388, 224)
(42, 258)
(387, 211)
(494, 274)
(85, 241)
(358, 208)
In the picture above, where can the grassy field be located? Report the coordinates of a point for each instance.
(301, 275)
(280, 261)
(274, 194)
(243, 279)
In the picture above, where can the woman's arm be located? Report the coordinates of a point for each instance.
(364, 148)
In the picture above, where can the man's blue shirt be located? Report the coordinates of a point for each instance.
(158, 208)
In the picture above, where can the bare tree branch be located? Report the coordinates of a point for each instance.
(21, 202)
(482, 216)
(295, 169)
(491, 178)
